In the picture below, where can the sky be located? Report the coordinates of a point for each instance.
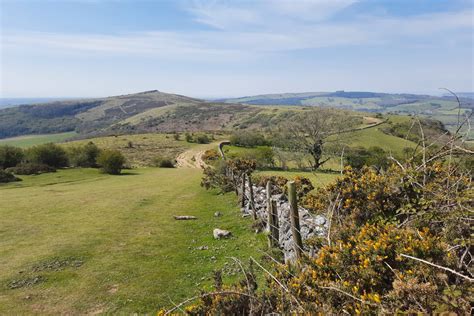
(94, 48)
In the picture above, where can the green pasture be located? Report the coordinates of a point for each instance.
(81, 242)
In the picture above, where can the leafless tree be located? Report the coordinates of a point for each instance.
(312, 131)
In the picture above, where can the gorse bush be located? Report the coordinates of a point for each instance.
(399, 242)
(217, 177)
(48, 154)
(210, 155)
(111, 161)
(10, 156)
(84, 156)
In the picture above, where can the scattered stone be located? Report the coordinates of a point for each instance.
(213, 258)
(16, 284)
(217, 214)
(113, 289)
(58, 264)
(202, 248)
(184, 217)
(221, 233)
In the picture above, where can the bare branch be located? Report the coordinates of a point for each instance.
(439, 267)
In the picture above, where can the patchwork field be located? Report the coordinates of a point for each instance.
(31, 140)
(78, 241)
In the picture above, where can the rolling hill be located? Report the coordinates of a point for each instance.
(159, 112)
(444, 108)
(146, 111)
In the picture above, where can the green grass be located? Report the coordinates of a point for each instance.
(136, 257)
(375, 137)
(318, 179)
(31, 140)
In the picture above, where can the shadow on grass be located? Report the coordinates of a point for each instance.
(127, 173)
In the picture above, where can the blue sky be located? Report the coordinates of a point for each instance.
(217, 48)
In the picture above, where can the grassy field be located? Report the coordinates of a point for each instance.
(363, 138)
(318, 179)
(77, 241)
(31, 140)
(141, 149)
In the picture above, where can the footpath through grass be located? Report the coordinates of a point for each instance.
(78, 241)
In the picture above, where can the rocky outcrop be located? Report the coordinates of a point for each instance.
(311, 225)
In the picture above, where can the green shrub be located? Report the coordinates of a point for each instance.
(373, 157)
(10, 156)
(163, 162)
(111, 161)
(189, 138)
(216, 178)
(6, 177)
(248, 139)
(202, 139)
(84, 156)
(48, 154)
(29, 168)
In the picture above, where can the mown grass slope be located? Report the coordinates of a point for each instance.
(78, 241)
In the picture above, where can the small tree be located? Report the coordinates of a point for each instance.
(310, 131)
(10, 156)
(111, 161)
(84, 156)
(49, 154)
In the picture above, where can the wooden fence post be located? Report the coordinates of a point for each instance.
(269, 203)
(295, 219)
(243, 190)
(270, 225)
(234, 181)
(275, 231)
(252, 200)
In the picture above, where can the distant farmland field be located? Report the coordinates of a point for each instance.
(31, 140)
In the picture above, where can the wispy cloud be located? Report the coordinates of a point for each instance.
(250, 30)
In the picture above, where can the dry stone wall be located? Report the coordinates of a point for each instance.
(310, 225)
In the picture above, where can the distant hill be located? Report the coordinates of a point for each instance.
(10, 102)
(444, 108)
(155, 111)
(140, 112)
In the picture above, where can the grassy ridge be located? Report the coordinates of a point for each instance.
(135, 256)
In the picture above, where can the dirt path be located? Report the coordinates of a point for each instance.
(192, 158)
